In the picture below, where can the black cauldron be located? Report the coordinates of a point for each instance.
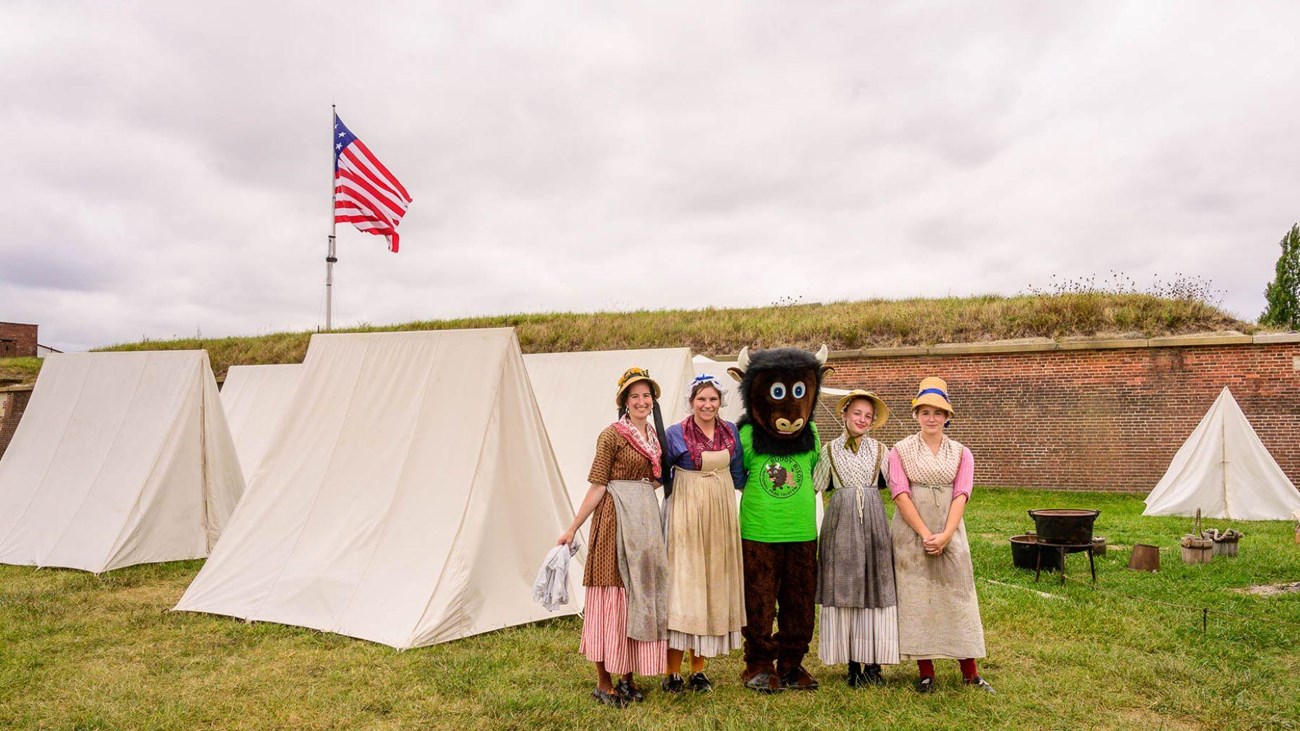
(1064, 526)
(1024, 554)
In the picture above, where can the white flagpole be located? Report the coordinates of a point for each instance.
(330, 258)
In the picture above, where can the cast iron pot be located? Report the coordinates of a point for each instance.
(1024, 554)
(1070, 526)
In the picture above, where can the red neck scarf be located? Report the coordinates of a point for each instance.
(646, 447)
(697, 444)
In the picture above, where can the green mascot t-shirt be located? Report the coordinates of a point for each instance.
(779, 504)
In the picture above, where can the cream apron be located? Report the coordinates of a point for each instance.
(706, 597)
(938, 611)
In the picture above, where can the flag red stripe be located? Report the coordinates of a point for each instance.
(344, 195)
(380, 167)
(364, 188)
(355, 166)
(355, 163)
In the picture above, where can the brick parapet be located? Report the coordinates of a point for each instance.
(1091, 419)
(1100, 415)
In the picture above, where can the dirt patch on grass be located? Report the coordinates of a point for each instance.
(1271, 589)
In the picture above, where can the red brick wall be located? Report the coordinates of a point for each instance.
(13, 401)
(17, 340)
(1088, 419)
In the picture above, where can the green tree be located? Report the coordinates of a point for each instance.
(1283, 293)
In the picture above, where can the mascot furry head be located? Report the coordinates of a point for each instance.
(778, 388)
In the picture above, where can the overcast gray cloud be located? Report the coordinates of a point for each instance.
(168, 166)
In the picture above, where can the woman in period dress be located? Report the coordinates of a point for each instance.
(706, 598)
(930, 478)
(625, 624)
(855, 578)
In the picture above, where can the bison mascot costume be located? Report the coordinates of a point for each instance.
(778, 512)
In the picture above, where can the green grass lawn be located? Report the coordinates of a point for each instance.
(85, 652)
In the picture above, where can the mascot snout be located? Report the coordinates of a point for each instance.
(785, 426)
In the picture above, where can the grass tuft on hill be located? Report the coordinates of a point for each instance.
(841, 325)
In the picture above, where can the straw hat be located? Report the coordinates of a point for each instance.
(881, 413)
(933, 392)
(631, 376)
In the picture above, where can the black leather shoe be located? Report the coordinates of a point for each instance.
(855, 675)
(673, 683)
(980, 683)
(700, 683)
(925, 684)
(871, 675)
(610, 698)
(629, 691)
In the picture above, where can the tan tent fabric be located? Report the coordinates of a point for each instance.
(408, 498)
(255, 398)
(576, 394)
(120, 459)
(1224, 470)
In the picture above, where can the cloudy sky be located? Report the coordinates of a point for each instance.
(169, 168)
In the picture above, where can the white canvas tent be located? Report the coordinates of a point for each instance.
(254, 398)
(1224, 470)
(408, 497)
(576, 394)
(120, 459)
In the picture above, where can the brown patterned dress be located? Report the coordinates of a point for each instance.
(615, 460)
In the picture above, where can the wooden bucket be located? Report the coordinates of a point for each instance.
(1144, 558)
(1225, 548)
(1197, 550)
(1225, 543)
(1196, 547)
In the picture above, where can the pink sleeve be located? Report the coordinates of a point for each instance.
(898, 482)
(964, 482)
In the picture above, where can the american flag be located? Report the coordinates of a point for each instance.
(366, 195)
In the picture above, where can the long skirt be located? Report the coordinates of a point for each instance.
(605, 640)
(857, 634)
(938, 610)
(706, 592)
(855, 581)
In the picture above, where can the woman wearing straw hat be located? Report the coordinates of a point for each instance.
(706, 591)
(624, 626)
(855, 579)
(930, 478)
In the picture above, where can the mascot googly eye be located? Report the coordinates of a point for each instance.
(797, 390)
(777, 391)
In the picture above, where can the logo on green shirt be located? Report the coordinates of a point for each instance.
(781, 479)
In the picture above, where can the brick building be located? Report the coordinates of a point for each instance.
(17, 340)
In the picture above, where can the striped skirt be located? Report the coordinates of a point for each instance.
(868, 636)
(605, 640)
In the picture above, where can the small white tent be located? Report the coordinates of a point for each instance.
(1224, 470)
(254, 398)
(575, 392)
(408, 497)
(120, 459)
